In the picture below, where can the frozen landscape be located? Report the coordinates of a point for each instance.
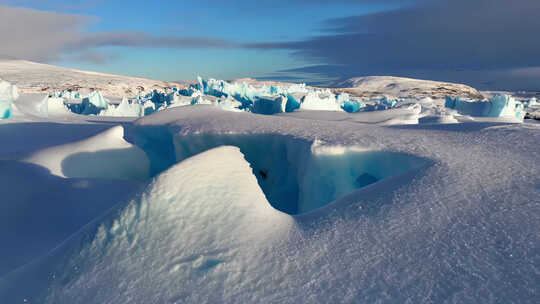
(376, 190)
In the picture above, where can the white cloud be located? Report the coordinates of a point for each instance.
(43, 36)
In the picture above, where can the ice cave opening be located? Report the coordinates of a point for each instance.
(294, 177)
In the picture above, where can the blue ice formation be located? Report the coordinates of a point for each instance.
(93, 104)
(127, 108)
(67, 94)
(231, 96)
(531, 102)
(8, 93)
(292, 103)
(501, 105)
(386, 103)
(258, 98)
(352, 106)
(270, 104)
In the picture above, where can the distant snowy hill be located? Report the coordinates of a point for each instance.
(32, 77)
(405, 88)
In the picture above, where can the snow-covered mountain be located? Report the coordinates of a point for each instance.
(405, 88)
(33, 77)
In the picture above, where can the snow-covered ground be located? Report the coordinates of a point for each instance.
(33, 77)
(410, 202)
(405, 88)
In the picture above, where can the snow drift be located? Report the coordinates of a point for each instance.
(180, 239)
(106, 155)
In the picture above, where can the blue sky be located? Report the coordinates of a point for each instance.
(235, 21)
(485, 43)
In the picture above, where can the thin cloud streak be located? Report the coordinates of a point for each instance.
(44, 36)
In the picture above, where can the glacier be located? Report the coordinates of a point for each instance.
(260, 98)
(8, 93)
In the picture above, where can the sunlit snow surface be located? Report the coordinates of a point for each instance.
(461, 226)
(383, 212)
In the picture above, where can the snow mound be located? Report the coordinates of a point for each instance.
(105, 155)
(43, 210)
(405, 88)
(298, 176)
(8, 93)
(192, 229)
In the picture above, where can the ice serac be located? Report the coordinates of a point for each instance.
(324, 101)
(230, 104)
(269, 105)
(125, 109)
(105, 155)
(93, 104)
(8, 93)
(187, 232)
(500, 105)
(53, 106)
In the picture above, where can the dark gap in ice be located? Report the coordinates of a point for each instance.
(294, 179)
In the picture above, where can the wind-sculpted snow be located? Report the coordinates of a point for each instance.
(498, 106)
(8, 93)
(298, 176)
(460, 229)
(105, 155)
(39, 211)
(212, 233)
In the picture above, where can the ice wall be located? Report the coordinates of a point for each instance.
(52, 106)
(298, 176)
(125, 109)
(8, 93)
(263, 99)
(500, 105)
(91, 105)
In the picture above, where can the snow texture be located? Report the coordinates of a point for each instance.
(460, 228)
(378, 86)
(37, 78)
(106, 155)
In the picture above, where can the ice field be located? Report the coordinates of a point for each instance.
(253, 192)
